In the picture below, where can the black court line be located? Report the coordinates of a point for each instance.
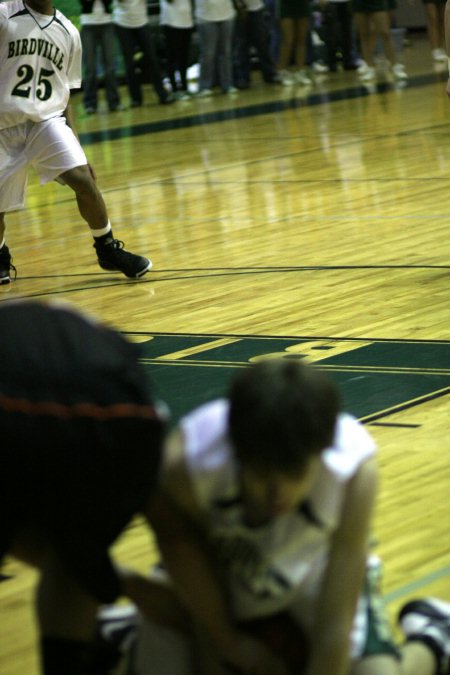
(386, 370)
(233, 270)
(207, 272)
(301, 338)
(405, 406)
(334, 368)
(395, 424)
(212, 272)
(236, 272)
(313, 99)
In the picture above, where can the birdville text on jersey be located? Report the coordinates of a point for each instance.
(33, 46)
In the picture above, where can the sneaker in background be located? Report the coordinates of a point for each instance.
(399, 71)
(367, 74)
(301, 77)
(439, 55)
(287, 78)
(204, 93)
(320, 67)
(428, 620)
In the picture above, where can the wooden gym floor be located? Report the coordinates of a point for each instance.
(304, 222)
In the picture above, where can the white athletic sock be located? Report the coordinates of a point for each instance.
(101, 233)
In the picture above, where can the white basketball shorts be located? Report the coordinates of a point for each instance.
(50, 147)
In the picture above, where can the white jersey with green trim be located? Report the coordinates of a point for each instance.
(271, 566)
(40, 62)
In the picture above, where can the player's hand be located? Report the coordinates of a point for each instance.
(247, 656)
(448, 86)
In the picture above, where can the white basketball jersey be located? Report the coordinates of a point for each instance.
(40, 61)
(269, 565)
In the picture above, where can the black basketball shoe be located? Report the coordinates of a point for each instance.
(6, 266)
(113, 257)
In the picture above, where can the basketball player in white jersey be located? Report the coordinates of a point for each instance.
(280, 486)
(40, 62)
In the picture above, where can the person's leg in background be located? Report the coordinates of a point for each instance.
(209, 37)
(241, 54)
(224, 55)
(259, 38)
(90, 84)
(345, 19)
(302, 28)
(434, 12)
(107, 40)
(127, 41)
(287, 26)
(273, 28)
(178, 43)
(330, 34)
(152, 66)
(184, 37)
(367, 38)
(171, 38)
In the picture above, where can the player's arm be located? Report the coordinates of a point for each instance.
(178, 523)
(70, 120)
(447, 40)
(344, 576)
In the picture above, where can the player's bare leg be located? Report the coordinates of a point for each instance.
(89, 198)
(416, 659)
(110, 252)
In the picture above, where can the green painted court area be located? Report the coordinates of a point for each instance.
(376, 378)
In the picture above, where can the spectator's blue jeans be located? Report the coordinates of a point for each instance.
(99, 37)
(141, 38)
(215, 39)
(252, 30)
